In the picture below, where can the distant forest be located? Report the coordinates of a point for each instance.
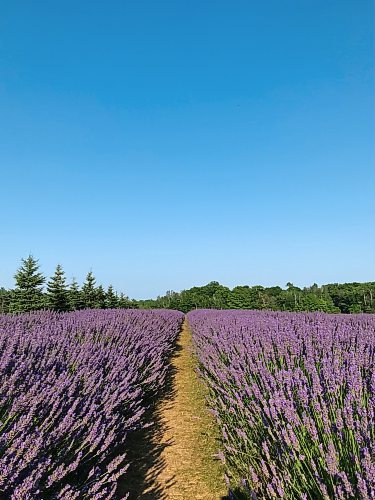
(33, 291)
(332, 298)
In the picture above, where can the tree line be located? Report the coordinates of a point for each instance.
(31, 294)
(330, 298)
(33, 291)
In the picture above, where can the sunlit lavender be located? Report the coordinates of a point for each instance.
(72, 387)
(294, 396)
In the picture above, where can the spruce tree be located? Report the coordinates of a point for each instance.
(28, 294)
(133, 304)
(57, 293)
(5, 299)
(111, 298)
(89, 292)
(100, 298)
(75, 296)
(124, 302)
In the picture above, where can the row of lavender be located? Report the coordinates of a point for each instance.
(72, 387)
(294, 396)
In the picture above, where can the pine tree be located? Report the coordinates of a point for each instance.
(124, 302)
(100, 298)
(89, 292)
(111, 298)
(5, 299)
(57, 293)
(28, 294)
(133, 304)
(75, 296)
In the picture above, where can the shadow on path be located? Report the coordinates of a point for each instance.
(145, 447)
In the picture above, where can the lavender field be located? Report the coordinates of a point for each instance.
(73, 386)
(294, 397)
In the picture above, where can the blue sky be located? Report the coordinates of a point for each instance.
(167, 144)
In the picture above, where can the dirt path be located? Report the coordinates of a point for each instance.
(183, 465)
(190, 471)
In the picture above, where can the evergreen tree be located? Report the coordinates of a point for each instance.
(75, 296)
(111, 298)
(100, 298)
(124, 302)
(57, 293)
(89, 292)
(28, 294)
(5, 299)
(133, 304)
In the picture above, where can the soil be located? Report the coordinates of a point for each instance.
(175, 458)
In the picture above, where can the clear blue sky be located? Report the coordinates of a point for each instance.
(165, 144)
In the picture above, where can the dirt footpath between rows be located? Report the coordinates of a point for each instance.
(180, 464)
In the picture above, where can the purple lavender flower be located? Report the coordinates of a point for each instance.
(301, 388)
(73, 386)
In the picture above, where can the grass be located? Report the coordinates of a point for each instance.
(175, 458)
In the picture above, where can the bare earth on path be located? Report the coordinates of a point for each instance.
(178, 456)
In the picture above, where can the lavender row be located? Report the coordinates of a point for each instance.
(73, 385)
(294, 396)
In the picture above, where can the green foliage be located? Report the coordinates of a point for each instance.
(57, 291)
(355, 309)
(332, 298)
(244, 297)
(111, 299)
(124, 302)
(5, 300)
(89, 296)
(28, 294)
(346, 298)
(100, 298)
(75, 296)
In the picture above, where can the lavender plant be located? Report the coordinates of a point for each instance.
(73, 385)
(294, 396)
